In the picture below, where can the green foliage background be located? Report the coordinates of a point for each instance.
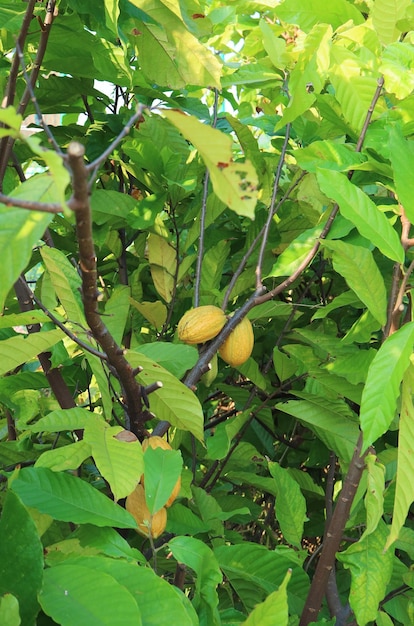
(268, 171)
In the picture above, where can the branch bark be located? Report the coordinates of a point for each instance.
(87, 261)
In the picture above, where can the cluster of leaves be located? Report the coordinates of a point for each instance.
(267, 171)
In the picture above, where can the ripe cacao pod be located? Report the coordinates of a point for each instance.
(159, 442)
(149, 526)
(239, 344)
(201, 324)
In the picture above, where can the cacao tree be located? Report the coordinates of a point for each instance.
(242, 171)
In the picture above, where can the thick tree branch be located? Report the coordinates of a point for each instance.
(87, 260)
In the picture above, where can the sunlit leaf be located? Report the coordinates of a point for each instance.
(235, 183)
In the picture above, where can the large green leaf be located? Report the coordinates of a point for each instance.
(274, 610)
(382, 388)
(20, 230)
(385, 15)
(68, 498)
(75, 595)
(357, 207)
(162, 470)
(119, 462)
(233, 182)
(296, 252)
(290, 505)
(163, 262)
(174, 402)
(21, 558)
(66, 283)
(197, 555)
(18, 350)
(62, 419)
(306, 13)
(354, 88)
(66, 457)
(159, 603)
(169, 54)
(371, 570)
(356, 264)
(404, 491)
(177, 358)
(254, 572)
(330, 420)
(219, 445)
(397, 65)
(402, 161)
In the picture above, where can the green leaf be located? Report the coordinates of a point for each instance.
(382, 388)
(330, 155)
(374, 496)
(119, 462)
(9, 610)
(330, 420)
(108, 541)
(174, 402)
(404, 491)
(20, 230)
(169, 54)
(23, 319)
(356, 264)
(68, 498)
(66, 283)
(163, 261)
(18, 350)
(290, 505)
(62, 419)
(233, 182)
(402, 161)
(111, 15)
(74, 595)
(385, 15)
(116, 312)
(159, 603)
(284, 366)
(354, 87)
(296, 252)
(182, 521)
(307, 13)
(371, 571)
(162, 470)
(357, 207)
(9, 117)
(56, 167)
(197, 555)
(219, 445)
(21, 558)
(274, 610)
(254, 572)
(65, 458)
(176, 358)
(311, 69)
(397, 67)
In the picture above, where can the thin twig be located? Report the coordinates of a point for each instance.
(259, 282)
(93, 167)
(69, 333)
(31, 205)
(203, 212)
(35, 103)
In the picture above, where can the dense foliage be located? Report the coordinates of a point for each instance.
(159, 155)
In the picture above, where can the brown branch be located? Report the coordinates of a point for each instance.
(333, 538)
(87, 261)
(57, 384)
(45, 31)
(31, 205)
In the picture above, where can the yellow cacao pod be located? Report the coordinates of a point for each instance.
(239, 344)
(159, 442)
(201, 324)
(149, 526)
(155, 442)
